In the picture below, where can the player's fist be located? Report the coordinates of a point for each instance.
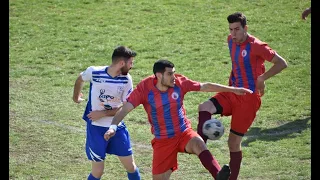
(78, 99)
(107, 135)
(306, 13)
(260, 86)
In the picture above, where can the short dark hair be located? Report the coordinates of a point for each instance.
(160, 66)
(122, 52)
(237, 17)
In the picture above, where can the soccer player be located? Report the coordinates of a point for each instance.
(109, 88)
(248, 55)
(162, 97)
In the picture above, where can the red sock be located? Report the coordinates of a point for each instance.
(203, 117)
(235, 163)
(209, 162)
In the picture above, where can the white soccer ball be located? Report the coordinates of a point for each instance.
(213, 128)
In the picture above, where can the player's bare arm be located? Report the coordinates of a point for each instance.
(279, 63)
(126, 108)
(214, 87)
(95, 115)
(77, 95)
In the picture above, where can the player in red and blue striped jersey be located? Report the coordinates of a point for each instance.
(162, 96)
(248, 55)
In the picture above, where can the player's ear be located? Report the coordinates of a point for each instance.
(158, 75)
(122, 63)
(246, 28)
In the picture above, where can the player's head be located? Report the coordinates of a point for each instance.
(164, 71)
(238, 27)
(123, 56)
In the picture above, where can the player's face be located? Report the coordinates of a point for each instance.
(127, 66)
(238, 33)
(168, 78)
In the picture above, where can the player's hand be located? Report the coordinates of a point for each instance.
(242, 91)
(260, 86)
(305, 13)
(79, 99)
(107, 135)
(95, 115)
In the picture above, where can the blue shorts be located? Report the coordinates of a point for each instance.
(97, 147)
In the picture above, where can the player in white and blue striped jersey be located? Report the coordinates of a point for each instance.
(109, 88)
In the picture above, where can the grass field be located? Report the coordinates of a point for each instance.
(52, 41)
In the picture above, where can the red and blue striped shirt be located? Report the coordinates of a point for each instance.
(248, 61)
(165, 110)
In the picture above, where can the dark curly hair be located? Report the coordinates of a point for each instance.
(237, 17)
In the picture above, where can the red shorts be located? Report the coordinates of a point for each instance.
(165, 151)
(243, 109)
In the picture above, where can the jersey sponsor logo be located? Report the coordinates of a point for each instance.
(101, 80)
(104, 80)
(244, 53)
(175, 95)
(103, 96)
(106, 99)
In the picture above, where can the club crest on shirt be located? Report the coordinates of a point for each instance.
(120, 89)
(175, 95)
(244, 53)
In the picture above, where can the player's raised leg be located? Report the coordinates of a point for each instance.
(205, 111)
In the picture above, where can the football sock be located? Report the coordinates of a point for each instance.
(135, 175)
(209, 162)
(235, 163)
(91, 177)
(203, 117)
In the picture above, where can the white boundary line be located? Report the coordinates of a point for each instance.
(139, 145)
(77, 130)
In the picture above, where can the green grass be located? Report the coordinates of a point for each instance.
(52, 41)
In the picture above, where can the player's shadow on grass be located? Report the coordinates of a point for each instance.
(288, 130)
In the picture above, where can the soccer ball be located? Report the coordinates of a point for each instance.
(213, 128)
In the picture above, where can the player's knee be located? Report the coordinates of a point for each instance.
(205, 106)
(131, 168)
(234, 147)
(195, 146)
(97, 169)
(234, 142)
(164, 176)
(97, 173)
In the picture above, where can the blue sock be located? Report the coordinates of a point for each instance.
(135, 175)
(90, 177)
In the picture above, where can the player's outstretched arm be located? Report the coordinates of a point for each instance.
(214, 87)
(126, 108)
(77, 95)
